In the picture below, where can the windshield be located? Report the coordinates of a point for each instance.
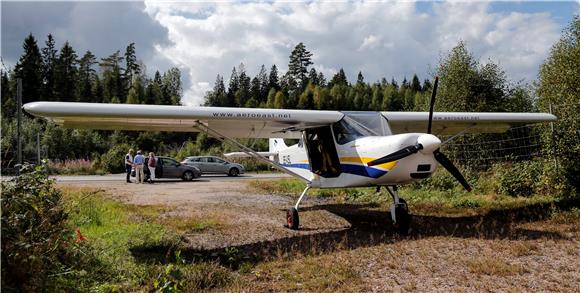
(347, 130)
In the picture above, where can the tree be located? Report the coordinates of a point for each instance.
(112, 80)
(243, 93)
(467, 86)
(29, 69)
(264, 88)
(66, 74)
(558, 87)
(132, 68)
(48, 69)
(300, 59)
(217, 97)
(279, 100)
(338, 79)
(415, 84)
(233, 87)
(313, 77)
(8, 98)
(86, 77)
(171, 86)
(306, 100)
(273, 78)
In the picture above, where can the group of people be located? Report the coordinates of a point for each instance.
(138, 163)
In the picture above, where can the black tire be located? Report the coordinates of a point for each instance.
(403, 217)
(292, 219)
(187, 176)
(234, 172)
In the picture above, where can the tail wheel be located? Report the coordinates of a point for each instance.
(292, 219)
(234, 172)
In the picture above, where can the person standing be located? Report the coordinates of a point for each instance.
(151, 163)
(139, 161)
(129, 164)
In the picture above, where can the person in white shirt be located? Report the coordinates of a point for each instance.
(151, 163)
(129, 164)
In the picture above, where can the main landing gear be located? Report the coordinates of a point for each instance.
(399, 211)
(292, 219)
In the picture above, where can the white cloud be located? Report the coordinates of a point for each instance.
(380, 39)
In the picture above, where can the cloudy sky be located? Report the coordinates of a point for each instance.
(381, 39)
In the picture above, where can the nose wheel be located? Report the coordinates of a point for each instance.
(399, 212)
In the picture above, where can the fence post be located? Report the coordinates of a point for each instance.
(18, 123)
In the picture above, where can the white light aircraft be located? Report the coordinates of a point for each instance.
(335, 148)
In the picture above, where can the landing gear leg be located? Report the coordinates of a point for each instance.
(399, 212)
(292, 219)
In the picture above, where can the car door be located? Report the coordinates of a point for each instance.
(221, 166)
(171, 168)
(212, 165)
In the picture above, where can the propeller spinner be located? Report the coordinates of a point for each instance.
(426, 144)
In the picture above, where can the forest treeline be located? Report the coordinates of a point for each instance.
(466, 84)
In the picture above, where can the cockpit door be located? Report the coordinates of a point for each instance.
(322, 152)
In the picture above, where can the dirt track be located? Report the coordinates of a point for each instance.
(503, 251)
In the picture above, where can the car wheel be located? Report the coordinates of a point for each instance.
(188, 176)
(234, 172)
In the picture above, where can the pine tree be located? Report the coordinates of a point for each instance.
(243, 93)
(263, 80)
(132, 68)
(338, 79)
(233, 87)
(66, 74)
(279, 100)
(415, 84)
(29, 69)
(313, 77)
(300, 59)
(273, 78)
(86, 77)
(48, 69)
(112, 80)
(8, 97)
(321, 80)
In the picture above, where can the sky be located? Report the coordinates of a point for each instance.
(392, 39)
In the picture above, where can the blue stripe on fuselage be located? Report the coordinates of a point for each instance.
(348, 168)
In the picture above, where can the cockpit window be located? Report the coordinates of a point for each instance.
(347, 130)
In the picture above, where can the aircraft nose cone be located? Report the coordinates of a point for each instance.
(429, 142)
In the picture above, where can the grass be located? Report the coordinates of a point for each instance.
(422, 200)
(111, 229)
(493, 266)
(311, 273)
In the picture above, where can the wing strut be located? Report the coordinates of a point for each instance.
(245, 149)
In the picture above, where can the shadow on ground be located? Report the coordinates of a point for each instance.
(369, 228)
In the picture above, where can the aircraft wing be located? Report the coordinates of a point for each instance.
(231, 122)
(449, 123)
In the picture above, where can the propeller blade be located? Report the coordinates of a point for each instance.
(405, 152)
(448, 165)
(432, 104)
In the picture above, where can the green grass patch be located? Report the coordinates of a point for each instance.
(111, 229)
(422, 199)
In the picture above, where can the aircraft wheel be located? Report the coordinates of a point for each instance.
(403, 218)
(292, 219)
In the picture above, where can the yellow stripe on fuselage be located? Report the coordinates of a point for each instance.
(365, 160)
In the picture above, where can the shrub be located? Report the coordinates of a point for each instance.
(517, 179)
(112, 160)
(77, 167)
(36, 241)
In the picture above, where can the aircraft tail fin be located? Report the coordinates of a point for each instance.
(276, 145)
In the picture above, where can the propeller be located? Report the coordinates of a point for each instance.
(426, 143)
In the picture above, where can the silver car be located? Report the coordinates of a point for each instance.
(210, 164)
